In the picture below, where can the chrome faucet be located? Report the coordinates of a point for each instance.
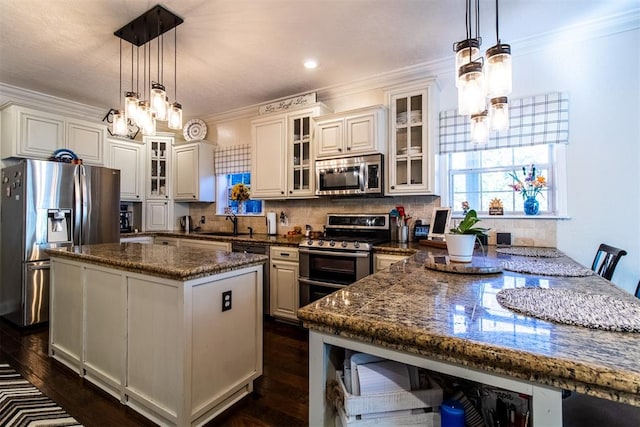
(234, 220)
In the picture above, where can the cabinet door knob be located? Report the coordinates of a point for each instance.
(339, 149)
(348, 148)
(393, 187)
(282, 192)
(290, 191)
(194, 196)
(166, 197)
(137, 196)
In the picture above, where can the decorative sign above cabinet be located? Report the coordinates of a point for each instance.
(289, 104)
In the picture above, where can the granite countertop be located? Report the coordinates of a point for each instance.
(279, 239)
(457, 318)
(160, 260)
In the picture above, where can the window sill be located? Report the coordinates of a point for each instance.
(514, 216)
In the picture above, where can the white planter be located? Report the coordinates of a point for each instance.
(460, 247)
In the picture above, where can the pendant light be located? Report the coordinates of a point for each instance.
(132, 98)
(120, 127)
(470, 74)
(158, 93)
(499, 68)
(499, 113)
(175, 110)
(145, 107)
(480, 128)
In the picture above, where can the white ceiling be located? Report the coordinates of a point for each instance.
(236, 53)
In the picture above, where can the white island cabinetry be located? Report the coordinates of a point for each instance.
(153, 342)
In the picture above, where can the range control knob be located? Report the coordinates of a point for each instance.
(332, 243)
(309, 242)
(321, 243)
(344, 244)
(356, 244)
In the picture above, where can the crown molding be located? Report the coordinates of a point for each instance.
(53, 104)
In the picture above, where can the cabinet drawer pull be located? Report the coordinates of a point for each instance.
(284, 254)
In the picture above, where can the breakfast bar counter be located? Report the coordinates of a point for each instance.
(174, 333)
(453, 323)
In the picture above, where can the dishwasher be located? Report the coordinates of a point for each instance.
(256, 248)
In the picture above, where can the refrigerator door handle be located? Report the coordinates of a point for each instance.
(77, 214)
(85, 201)
(44, 266)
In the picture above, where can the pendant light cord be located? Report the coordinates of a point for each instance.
(120, 89)
(175, 63)
(497, 25)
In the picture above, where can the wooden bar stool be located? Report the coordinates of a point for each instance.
(606, 260)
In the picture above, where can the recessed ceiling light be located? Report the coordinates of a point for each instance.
(310, 64)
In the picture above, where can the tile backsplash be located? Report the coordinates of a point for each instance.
(524, 231)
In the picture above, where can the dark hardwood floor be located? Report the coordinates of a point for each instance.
(280, 397)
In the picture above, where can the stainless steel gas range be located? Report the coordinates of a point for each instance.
(342, 256)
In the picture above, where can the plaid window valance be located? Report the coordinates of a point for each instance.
(234, 159)
(540, 119)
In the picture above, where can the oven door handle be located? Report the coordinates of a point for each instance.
(325, 284)
(334, 253)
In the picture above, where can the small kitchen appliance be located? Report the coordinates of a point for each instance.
(271, 223)
(350, 176)
(186, 223)
(126, 217)
(343, 255)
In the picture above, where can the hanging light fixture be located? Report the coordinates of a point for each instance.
(120, 127)
(475, 84)
(142, 109)
(499, 68)
(469, 67)
(174, 115)
(499, 113)
(480, 128)
(132, 98)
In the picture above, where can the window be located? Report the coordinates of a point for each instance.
(481, 176)
(224, 203)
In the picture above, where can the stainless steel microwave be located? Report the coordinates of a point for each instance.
(350, 176)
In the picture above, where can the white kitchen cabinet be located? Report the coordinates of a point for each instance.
(193, 178)
(31, 133)
(86, 139)
(282, 154)
(284, 282)
(159, 150)
(382, 261)
(129, 157)
(157, 215)
(361, 131)
(412, 135)
(192, 243)
(154, 343)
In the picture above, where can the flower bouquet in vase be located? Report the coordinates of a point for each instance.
(529, 188)
(240, 193)
(462, 239)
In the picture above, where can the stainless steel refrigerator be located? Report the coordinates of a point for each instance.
(47, 205)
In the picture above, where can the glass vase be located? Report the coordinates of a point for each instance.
(531, 205)
(241, 208)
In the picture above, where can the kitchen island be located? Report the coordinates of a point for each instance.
(453, 324)
(174, 334)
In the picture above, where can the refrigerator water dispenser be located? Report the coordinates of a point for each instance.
(59, 226)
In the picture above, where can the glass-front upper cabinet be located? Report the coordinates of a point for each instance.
(410, 162)
(159, 178)
(300, 161)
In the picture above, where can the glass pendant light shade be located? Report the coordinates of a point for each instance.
(120, 123)
(175, 116)
(158, 96)
(467, 50)
(131, 105)
(480, 128)
(144, 114)
(471, 91)
(149, 127)
(499, 113)
(498, 70)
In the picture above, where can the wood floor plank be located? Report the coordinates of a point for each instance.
(280, 395)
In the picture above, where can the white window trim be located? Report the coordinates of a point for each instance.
(221, 197)
(559, 180)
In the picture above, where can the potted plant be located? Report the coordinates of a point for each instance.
(461, 239)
